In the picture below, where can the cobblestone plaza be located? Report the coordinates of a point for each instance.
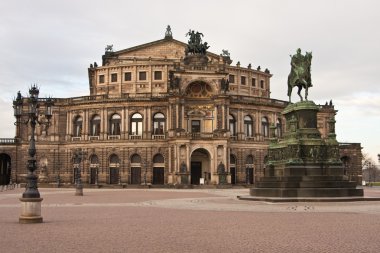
(196, 220)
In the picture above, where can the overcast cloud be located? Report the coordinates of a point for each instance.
(53, 42)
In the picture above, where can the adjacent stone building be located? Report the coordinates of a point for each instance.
(160, 114)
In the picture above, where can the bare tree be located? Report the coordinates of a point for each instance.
(371, 172)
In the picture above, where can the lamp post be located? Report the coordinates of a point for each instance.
(31, 200)
(78, 157)
(96, 174)
(144, 163)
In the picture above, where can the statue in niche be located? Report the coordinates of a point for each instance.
(183, 168)
(221, 168)
(224, 85)
(173, 81)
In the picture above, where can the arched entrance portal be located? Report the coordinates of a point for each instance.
(5, 169)
(200, 166)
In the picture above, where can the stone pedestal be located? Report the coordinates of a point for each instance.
(79, 190)
(183, 178)
(222, 178)
(303, 165)
(30, 210)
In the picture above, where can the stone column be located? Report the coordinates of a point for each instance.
(145, 124)
(85, 124)
(223, 117)
(182, 118)
(188, 157)
(104, 124)
(149, 122)
(126, 123)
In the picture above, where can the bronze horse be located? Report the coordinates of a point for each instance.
(300, 74)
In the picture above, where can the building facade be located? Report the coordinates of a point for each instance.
(157, 114)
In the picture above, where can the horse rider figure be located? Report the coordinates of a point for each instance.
(300, 73)
(195, 45)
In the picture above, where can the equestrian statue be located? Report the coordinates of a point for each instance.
(300, 73)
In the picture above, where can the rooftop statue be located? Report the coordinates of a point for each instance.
(168, 33)
(195, 45)
(300, 73)
(225, 53)
(109, 48)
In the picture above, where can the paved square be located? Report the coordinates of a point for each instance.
(162, 220)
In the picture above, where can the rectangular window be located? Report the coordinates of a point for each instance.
(101, 79)
(253, 82)
(248, 129)
(159, 127)
(195, 126)
(128, 76)
(262, 84)
(242, 80)
(137, 128)
(157, 75)
(232, 79)
(114, 77)
(142, 76)
(232, 128)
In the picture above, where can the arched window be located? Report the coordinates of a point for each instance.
(136, 124)
(232, 160)
(278, 128)
(158, 124)
(115, 121)
(77, 129)
(158, 159)
(265, 127)
(95, 126)
(94, 160)
(248, 126)
(114, 159)
(249, 160)
(136, 158)
(232, 122)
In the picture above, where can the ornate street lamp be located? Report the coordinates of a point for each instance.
(78, 157)
(31, 200)
(144, 164)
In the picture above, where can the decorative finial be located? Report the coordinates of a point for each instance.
(168, 33)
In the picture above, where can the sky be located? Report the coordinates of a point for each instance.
(52, 43)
